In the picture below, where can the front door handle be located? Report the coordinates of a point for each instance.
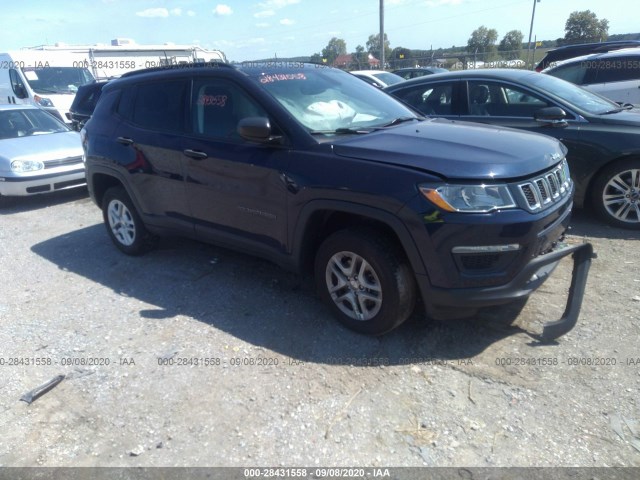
(124, 141)
(195, 154)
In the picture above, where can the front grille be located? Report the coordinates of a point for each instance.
(63, 162)
(546, 190)
(479, 262)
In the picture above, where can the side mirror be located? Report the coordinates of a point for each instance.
(20, 91)
(553, 115)
(257, 129)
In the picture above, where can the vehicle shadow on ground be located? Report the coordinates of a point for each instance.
(585, 223)
(259, 303)
(12, 205)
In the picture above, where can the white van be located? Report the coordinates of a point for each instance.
(45, 79)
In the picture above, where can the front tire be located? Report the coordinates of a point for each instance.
(366, 280)
(123, 223)
(616, 194)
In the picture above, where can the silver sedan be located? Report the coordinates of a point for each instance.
(38, 153)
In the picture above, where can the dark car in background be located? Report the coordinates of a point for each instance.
(303, 166)
(570, 51)
(413, 72)
(603, 137)
(84, 103)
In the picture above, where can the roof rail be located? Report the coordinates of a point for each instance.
(179, 66)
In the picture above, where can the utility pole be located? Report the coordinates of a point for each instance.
(533, 15)
(381, 34)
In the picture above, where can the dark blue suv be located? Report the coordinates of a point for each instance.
(316, 171)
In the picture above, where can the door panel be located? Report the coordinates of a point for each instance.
(149, 144)
(234, 187)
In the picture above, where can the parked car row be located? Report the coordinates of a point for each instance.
(602, 137)
(316, 171)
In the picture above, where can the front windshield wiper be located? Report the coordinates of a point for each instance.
(342, 131)
(398, 121)
(363, 130)
(44, 90)
(626, 106)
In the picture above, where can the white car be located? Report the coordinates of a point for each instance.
(38, 153)
(615, 75)
(378, 78)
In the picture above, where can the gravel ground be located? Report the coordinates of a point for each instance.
(277, 380)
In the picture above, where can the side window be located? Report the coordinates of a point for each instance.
(88, 104)
(160, 105)
(16, 84)
(218, 105)
(574, 72)
(125, 103)
(502, 100)
(618, 69)
(431, 100)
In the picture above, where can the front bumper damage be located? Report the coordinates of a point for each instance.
(532, 276)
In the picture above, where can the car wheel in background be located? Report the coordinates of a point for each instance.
(124, 224)
(616, 194)
(366, 280)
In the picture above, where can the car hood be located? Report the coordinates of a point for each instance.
(626, 117)
(51, 146)
(457, 150)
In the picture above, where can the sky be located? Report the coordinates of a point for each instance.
(254, 29)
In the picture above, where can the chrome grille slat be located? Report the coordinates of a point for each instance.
(547, 189)
(62, 162)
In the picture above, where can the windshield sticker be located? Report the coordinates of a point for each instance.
(31, 75)
(279, 77)
(212, 100)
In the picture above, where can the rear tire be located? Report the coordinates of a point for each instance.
(123, 223)
(366, 280)
(616, 194)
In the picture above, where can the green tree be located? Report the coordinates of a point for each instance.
(584, 26)
(334, 48)
(483, 42)
(360, 59)
(511, 45)
(316, 58)
(373, 46)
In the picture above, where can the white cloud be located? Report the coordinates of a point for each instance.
(264, 13)
(262, 25)
(153, 12)
(287, 21)
(176, 11)
(191, 13)
(222, 9)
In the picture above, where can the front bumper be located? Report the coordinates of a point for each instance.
(32, 185)
(522, 285)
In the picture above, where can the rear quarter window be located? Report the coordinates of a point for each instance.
(618, 69)
(160, 106)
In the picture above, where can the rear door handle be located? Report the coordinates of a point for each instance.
(124, 141)
(195, 154)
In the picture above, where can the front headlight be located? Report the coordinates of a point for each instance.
(469, 198)
(22, 166)
(43, 101)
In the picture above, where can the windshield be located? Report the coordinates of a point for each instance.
(57, 79)
(326, 100)
(570, 93)
(389, 78)
(24, 123)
